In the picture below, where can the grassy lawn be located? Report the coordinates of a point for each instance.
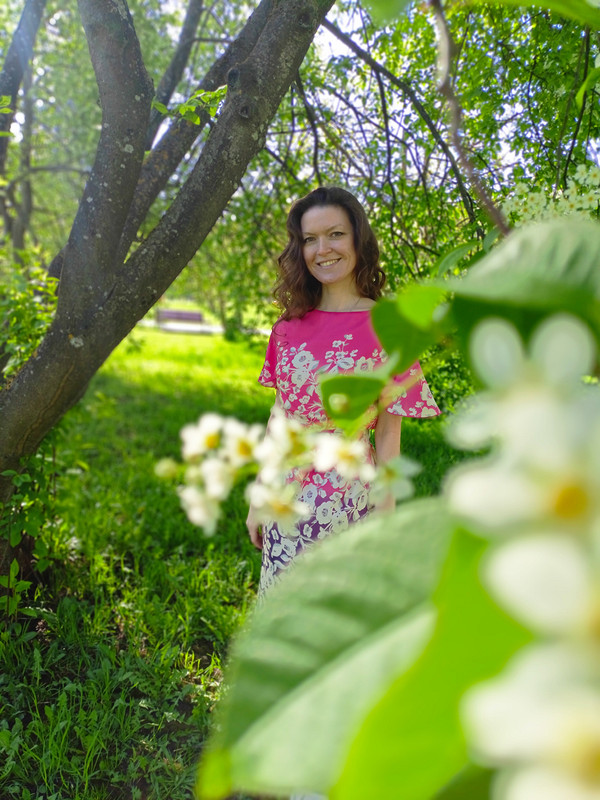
(107, 691)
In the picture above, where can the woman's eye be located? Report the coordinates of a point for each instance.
(308, 239)
(337, 234)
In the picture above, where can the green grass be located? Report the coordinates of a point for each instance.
(106, 691)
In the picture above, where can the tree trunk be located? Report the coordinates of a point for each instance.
(100, 297)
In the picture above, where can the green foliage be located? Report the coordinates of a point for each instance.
(209, 102)
(581, 11)
(27, 304)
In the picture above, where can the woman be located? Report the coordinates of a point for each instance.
(329, 280)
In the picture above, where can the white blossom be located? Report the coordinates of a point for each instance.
(546, 581)
(240, 442)
(394, 477)
(200, 509)
(166, 468)
(350, 457)
(277, 503)
(218, 477)
(545, 708)
(543, 783)
(201, 437)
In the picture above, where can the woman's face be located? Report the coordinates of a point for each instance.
(328, 245)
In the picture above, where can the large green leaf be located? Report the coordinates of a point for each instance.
(320, 650)
(406, 326)
(536, 271)
(579, 10)
(411, 744)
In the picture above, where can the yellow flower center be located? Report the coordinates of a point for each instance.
(212, 440)
(244, 448)
(571, 501)
(583, 755)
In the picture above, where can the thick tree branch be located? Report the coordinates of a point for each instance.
(174, 71)
(125, 94)
(173, 146)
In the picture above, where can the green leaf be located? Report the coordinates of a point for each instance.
(579, 10)
(411, 744)
(398, 334)
(536, 271)
(347, 397)
(320, 649)
(589, 83)
(161, 107)
(406, 327)
(449, 260)
(488, 240)
(15, 537)
(418, 303)
(386, 10)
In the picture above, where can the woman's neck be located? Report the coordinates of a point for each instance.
(332, 300)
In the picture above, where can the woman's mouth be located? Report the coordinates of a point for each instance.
(328, 263)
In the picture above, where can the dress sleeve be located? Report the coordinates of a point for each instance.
(411, 395)
(267, 375)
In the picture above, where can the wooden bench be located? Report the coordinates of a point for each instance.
(178, 315)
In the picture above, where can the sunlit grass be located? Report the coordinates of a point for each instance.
(111, 695)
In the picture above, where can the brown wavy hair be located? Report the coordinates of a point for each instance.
(296, 290)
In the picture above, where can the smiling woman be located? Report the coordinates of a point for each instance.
(329, 280)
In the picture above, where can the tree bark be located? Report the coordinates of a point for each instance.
(101, 298)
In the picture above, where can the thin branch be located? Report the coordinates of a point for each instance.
(582, 110)
(312, 121)
(18, 56)
(410, 93)
(445, 56)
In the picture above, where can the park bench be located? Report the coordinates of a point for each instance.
(166, 315)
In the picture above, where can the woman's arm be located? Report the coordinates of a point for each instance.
(251, 521)
(387, 446)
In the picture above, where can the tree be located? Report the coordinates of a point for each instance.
(102, 291)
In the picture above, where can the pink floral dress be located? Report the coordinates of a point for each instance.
(298, 353)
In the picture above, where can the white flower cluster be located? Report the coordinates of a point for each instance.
(580, 199)
(538, 497)
(217, 451)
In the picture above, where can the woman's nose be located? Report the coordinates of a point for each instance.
(323, 244)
